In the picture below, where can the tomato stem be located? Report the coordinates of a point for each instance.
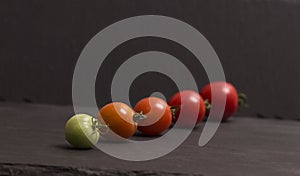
(242, 100)
(207, 104)
(174, 109)
(98, 126)
(139, 116)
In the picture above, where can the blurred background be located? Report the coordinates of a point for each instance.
(258, 43)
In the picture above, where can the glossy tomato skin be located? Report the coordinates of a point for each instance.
(230, 93)
(119, 118)
(158, 116)
(192, 102)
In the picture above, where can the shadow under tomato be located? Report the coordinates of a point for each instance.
(69, 147)
(138, 136)
(223, 121)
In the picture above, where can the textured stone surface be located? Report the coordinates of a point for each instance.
(32, 142)
(38, 170)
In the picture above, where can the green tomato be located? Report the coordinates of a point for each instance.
(81, 131)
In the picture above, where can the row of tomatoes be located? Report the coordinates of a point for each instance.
(151, 116)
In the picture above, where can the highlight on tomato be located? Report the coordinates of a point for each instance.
(158, 116)
(192, 104)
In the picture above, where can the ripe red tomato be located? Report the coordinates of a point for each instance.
(223, 88)
(119, 118)
(158, 115)
(192, 102)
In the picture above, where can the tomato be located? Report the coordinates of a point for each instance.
(158, 115)
(81, 131)
(223, 88)
(192, 102)
(119, 118)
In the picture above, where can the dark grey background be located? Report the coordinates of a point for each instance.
(257, 41)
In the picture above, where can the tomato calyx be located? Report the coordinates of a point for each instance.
(207, 104)
(139, 116)
(242, 100)
(174, 110)
(99, 127)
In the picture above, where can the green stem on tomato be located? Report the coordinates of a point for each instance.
(139, 116)
(98, 126)
(242, 100)
(207, 104)
(174, 109)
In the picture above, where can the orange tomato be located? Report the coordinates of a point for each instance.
(119, 118)
(158, 115)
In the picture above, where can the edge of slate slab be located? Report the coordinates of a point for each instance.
(15, 169)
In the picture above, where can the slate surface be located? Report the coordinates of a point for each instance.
(32, 143)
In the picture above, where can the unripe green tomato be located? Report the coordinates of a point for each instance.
(81, 131)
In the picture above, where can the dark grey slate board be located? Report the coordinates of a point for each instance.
(32, 142)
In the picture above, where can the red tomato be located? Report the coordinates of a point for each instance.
(158, 115)
(119, 118)
(192, 102)
(230, 93)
